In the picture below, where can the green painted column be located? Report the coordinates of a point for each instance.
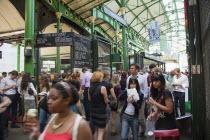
(95, 44)
(29, 35)
(92, 18)
(58, 59)
(18, 56)
(116, 40)
(124, 38)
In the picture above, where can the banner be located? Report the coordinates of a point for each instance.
(165, 46)
(154, 31)
(163, 43)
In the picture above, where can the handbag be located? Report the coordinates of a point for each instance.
(30, 91)
(121, 105)
(43, 104)
(112, 102)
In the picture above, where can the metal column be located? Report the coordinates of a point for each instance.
(29, 35)
(124, 38)
(18, 56)
(58, 59)
(95, 44)
(116, 40)
(198, 88)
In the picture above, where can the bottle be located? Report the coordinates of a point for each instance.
(150, 129)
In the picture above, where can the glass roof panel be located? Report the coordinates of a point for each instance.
(169, 13)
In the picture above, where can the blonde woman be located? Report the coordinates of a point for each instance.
(98, 98)
(117, 91)
(44, 91)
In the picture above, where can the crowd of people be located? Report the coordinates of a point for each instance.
(71, 106)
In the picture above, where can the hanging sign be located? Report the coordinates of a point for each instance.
(54, 39)
(114, 15)
(81, 46)
(82, 52)
(154, 31)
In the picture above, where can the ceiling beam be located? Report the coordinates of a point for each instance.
(138, 6)
(135, 16)
(84, 5)
(168, 21)
(142, 12)
(164, 9)
(176, 12)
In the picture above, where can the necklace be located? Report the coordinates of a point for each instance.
(56, 126)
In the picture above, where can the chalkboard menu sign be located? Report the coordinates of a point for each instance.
(81, 46)
(55, 39)
(65, 61)
(82, 52)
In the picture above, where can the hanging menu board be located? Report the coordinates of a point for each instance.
(82, 52)
(55, 39)
(82, 46)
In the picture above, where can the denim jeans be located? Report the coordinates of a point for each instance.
(12, 108)
(179, 96)
(43, 117)
(130, 121)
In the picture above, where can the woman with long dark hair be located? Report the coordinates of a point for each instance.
(28, 91)
(163, 106)
(123, 80)
(131, 110)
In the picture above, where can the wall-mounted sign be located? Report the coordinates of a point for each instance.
(114, 15)
(196, 69)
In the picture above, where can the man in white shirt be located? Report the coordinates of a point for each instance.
(134, 70)
(180, 82)
(9, 87)
(86, 77)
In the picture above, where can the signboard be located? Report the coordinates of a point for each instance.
(154, 32)
(196, 69)
(81, 46)
(55, 39)
(65, 61)
(82, 52)
(114, 15)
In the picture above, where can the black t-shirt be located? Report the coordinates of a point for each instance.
(165, 120)
(108, 86)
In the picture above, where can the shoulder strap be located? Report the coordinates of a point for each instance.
(75, 127)
(41, 137)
